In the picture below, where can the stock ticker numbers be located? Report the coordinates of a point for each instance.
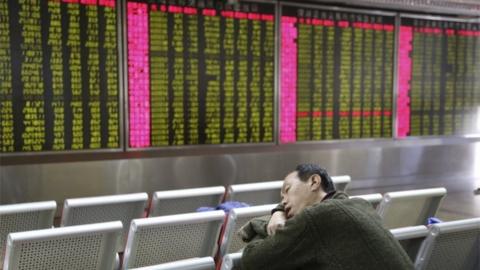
(204, 72)
(336, 75)
(58, 75)
(439, 71)
(200, 72)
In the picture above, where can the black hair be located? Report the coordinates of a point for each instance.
(305, 171)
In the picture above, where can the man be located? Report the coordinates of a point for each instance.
(316, 227)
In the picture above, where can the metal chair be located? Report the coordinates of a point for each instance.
(90, 210)
(374, 198)
(90, 246)
(205, 263)
(268, 192)
(341, 182)
(410, 208)
(237, 217)
(180, 201)
(232, 261)
(411, 238)
(158, 240)
(451, 245)
(24, 217)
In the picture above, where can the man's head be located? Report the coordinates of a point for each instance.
(308, 184)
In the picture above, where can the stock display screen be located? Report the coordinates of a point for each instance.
(439, 78)
(200, 72)
(58, 75)
(336, 75)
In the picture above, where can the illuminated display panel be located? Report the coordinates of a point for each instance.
(58, 75)
(200, 72)
(439, 78)
(336, 75)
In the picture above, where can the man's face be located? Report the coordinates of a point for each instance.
(296, 194)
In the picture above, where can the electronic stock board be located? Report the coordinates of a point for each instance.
(200, 72)
(336, 74)
(203, 72)
(59, 86)
(439, 77)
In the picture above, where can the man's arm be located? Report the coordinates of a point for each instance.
(284, 250)
(254, 229)
(277, 220)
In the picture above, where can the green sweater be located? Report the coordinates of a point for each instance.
(338, 233)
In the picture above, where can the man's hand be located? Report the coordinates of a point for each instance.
(276, 222)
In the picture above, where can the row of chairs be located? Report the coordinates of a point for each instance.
(78, 211)
(121, 207)
(168, 226)
(188, 200)
(397, 209)
(94, 246)
(153, 243)
(443, 246)
(150, 241)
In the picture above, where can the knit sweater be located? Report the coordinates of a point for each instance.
(338, 233)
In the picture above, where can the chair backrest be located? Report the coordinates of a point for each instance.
(268, 192)
(165, 239)
(411, 238)
(181, 201)
(256, 193)
(410, 208)
(24, 217)
(451, 245)
(232, 261)
(90, 210)
(374, 198)
(237, 217)
(90, 246)
(341, 182)
(205, 263)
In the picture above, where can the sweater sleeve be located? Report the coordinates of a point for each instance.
(280, 251)
(279, 207)
(254, 229)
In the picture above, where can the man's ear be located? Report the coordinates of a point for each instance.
(316, 182)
